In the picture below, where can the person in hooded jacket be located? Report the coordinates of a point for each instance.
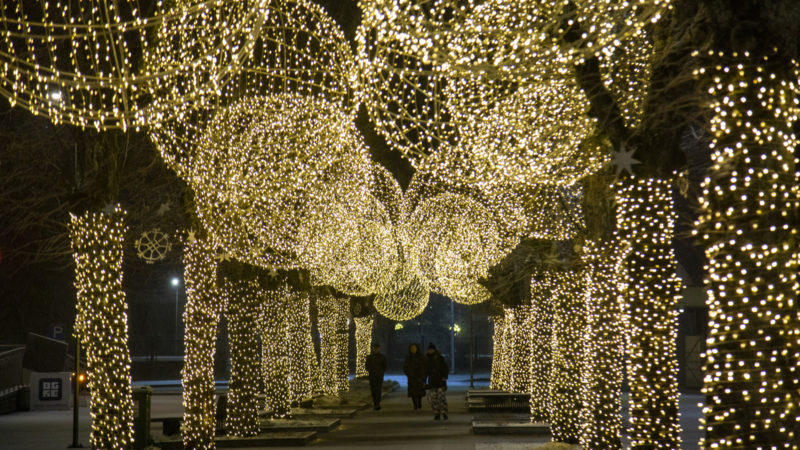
(415, 370)
(437, 382)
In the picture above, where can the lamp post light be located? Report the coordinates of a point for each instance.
(176, 283)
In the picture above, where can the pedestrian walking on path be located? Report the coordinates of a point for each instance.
(376, 366)
(437, 382)
(414, 368)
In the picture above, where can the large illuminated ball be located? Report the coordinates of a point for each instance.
(482, 91)
(298, 49)
(267, 165)
(354, 249)
(455, 240)
(90, 63)
(405, 303)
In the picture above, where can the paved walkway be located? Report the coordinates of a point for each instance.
(395, 426)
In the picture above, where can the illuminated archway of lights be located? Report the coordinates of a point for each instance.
(604, 348)
(100, 63)
(102, 324)
(748, 222)
(363, 343)
(646, 223)
(268, 175)
(431, 72)
(203, 309)
(299, 50)
(243, 300)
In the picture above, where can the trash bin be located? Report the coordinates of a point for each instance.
(141, 416)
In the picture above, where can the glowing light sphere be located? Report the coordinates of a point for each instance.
(455, 241)
(298, 49)
(405, 303)
(100, 63)
(354, 251)
(482, 92)
(267, 165)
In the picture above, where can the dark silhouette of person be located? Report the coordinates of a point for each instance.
(376, 366)
(415, 370)
(437, 382)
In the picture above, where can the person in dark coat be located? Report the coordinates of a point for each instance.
(437, 382)
(376, 366)
(415, 370)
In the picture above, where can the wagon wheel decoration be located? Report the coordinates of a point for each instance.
(153, 245)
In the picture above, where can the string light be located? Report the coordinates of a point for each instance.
(203, 309)
(243, 300)
(646, 220)
(749, 203)
(298, 51)
(300, 346)
(101, 63)
(270, 167)
(565, 370)
(603, 369)
(540, 325)
(102, 323)
(363, 343)
(333, 330)
(274, 323)
(496, 379)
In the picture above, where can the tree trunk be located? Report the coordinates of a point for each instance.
(102, 324)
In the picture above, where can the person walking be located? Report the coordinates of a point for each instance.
(414, 368)
(376, 366)
(437, 381)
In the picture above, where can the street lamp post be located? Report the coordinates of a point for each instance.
(176, 283)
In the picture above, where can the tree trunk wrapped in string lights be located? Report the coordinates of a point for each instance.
(275, 325)
(243, 302)
(749, 223)
(541, 326)
(301, 348)
(363, 341)
(102, 324)
(603, 351)
(646, 220)
(507, 349)
(332, 321)
(498, 357)
(523, 337)
(565, 372)
(203, 308)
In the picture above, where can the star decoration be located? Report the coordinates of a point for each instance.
(190, 237)
(624, 160)
(164, 208)
(109, 208)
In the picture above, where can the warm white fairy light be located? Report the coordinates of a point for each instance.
(102, 324)
(566, 347)
(748, 223)
(274, 323)
(333, 330)
(604, 348)
(646, 221)
(541, 328)
(101, 63)
(243, 300)
(363, 343)
(203, 308)
(299, 51)
(300, 347)
(269, 169)
(496, 380)
(523, 349)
